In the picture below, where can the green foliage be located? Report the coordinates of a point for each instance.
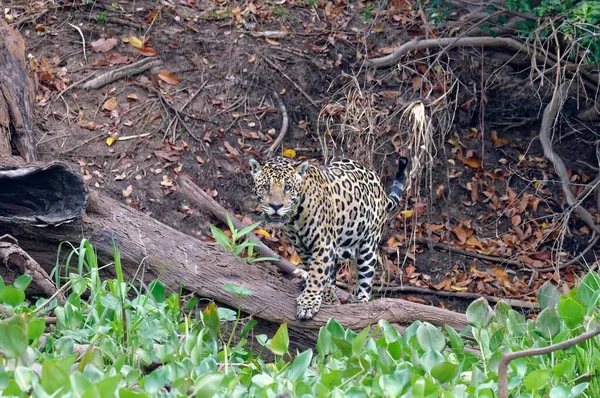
(140, 341)
(101, 17)
(231, 244)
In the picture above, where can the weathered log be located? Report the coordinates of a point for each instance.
(203, 268)
(16, 96)
(17, 263)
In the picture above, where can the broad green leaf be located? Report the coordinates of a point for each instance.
(548, 323)
(14, 336)
(133, 393)
(262, 380)
(560, 391)
(56, 373)
(281, 340)
(240, 291)
(335, 328)
(35, 328)
(478, 313)
(445, 371)
(1, 285)
(156, 380)
(359, 341)
(78, 283)
(454, 339)
(431, 359)
(262, 339)
(324, 342)
(248, 327)
(80, 383)
(389, 332)
(4, 380)
(299, 366)
(12, 296)
(430, 337)
(537, 379)
(105, 388)
(579, 389)
(210, 318)
(226, 314)
(587, 288)
(566, 368)
(157, 288)
(571, 311)
(548, 295)
(22, 282)
(391, 386)
(208, 384)
(422, 387)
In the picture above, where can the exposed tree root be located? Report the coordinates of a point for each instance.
(548, 120)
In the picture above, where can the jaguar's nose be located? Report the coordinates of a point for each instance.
(276, 206)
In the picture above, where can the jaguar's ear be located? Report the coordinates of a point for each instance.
(254, 166)
(302, 167)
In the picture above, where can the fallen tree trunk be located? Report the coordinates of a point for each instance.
(157, 251)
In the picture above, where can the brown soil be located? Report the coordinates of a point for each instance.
(230, 114)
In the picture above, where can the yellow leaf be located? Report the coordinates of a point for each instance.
(168, 77)
(127, 191)
(262, 232)
(136, 42)
(295, 259)
(111, 140)
(289, 153)
(406, 213)
(458, 288)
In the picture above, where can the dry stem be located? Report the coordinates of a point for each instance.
(284, 126)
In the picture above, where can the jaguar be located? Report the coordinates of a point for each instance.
(329, 214)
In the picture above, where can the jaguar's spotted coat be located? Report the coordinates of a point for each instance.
(329, 213)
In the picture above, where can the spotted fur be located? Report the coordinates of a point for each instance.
(328, 213)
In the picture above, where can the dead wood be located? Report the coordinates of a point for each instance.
(125, 71)
(546, 128)
(17, 262)
(16, 97)
(285, 122)
(156, 251)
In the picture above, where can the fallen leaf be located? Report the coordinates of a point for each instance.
(515, 220)
(110, 104)
(132, 97)
(295, 259)
(111, 139)
(147, 52)
(289, 153)
(136, 42)
(104, 45)
(127, 191)
(473, 161)
(251, 58)
(167, 181)
(231, 149)
(168, 77)
(117, 59)
(498, 142)
(460, 233)
(199, 159)
(263, 232)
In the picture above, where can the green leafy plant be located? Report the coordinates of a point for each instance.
(231, 244)
(101, 17)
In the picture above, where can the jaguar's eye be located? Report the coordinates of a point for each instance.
(286, 188)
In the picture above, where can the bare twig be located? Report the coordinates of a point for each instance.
(559, 167)
(507, 358)
(444, 247)
(278, 68)
(381, 290)
(284, 126)
(125, 71)
(82, 40)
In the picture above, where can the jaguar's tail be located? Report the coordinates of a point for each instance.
(398, 185)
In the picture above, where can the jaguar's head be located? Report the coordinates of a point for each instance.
(278, 187)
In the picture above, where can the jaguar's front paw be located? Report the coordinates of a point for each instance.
(330, 295)
(308, 305)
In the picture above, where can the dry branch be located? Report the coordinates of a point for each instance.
(17, 262)
(125, 71)
(16, 96)
(546, 128)
(284, 126)
(507, 358)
